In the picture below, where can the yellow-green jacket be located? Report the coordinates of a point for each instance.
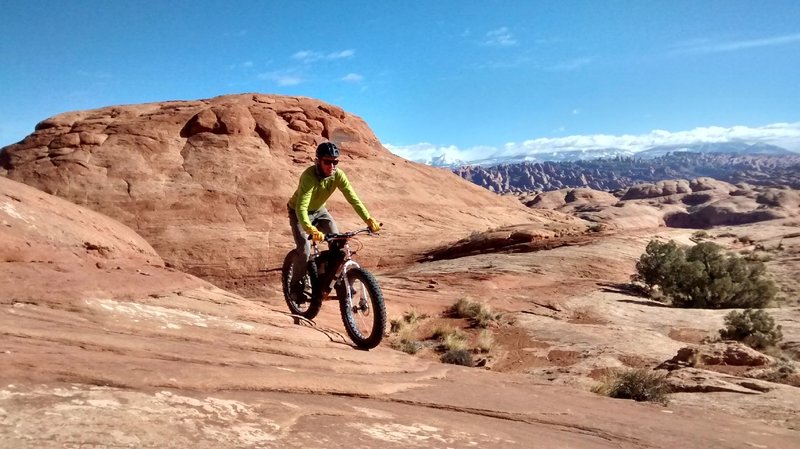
(314, 190)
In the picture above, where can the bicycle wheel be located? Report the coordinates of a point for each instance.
(363, 312)
(305, 303)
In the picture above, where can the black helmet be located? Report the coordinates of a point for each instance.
(327, 149)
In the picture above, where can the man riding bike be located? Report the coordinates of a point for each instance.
(307, 213)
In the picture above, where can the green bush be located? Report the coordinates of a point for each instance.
(702, 276)
(656, 265)
(755, 328)
(640, 384)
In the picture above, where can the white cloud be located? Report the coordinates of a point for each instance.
(500, 37)
(425, 151)
(344, 54)
(704, 46)
(309, 56)
(353, 78)
(786, 135)
(282, 78)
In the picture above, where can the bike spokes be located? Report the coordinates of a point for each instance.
(359, 303)
(363, 310)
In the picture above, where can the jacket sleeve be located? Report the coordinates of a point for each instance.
(350, 195)
(304, 192)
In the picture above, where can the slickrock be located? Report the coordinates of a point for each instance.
(206, 182)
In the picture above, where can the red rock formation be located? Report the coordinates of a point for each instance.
(206, 182)
(56, 252)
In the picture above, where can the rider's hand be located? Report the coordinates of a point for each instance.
(373, 224)
(316, 235)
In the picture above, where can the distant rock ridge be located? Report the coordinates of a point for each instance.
(699, 203)
(623, 172)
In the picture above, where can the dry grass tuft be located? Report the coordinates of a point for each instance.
(480, 314)
(485, 341)
(640, 384)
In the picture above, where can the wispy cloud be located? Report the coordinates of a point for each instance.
(282, 78)
(572, 64)
(705, 46)
(786, 135)
(309, 56)
(352, 78)
(500, 37)
(344, 54)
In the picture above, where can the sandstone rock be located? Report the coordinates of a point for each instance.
(731, 353)
(37, 227)
(703, 184)
(658, 189)
(56, 253)
(206, 182)
(693, 380)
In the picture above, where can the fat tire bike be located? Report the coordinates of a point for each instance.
(360, 298)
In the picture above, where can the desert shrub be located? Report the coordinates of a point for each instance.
(457, 357)
(485, 341)
(755, 328)
(702, 276)
(408, 346)
(395, 325)
(404, 329)
(655, 266)
(440, 330)
(701, 235)
(595, 227)
(454, 341)
(745, 239)
(413, 317)
(480, 314)
(640, 384)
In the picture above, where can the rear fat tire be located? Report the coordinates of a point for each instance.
(376, 304)
(310, 309)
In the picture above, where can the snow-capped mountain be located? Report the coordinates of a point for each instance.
(447, 159)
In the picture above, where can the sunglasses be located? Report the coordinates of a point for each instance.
(333, 162)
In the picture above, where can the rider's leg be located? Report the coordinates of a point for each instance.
(302, 248)
(325, 222)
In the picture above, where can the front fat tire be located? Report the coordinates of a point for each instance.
(377, 309)
(314, 303)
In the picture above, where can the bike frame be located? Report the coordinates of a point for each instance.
(347, 262)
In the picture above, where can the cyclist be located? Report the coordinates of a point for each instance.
(307, 212)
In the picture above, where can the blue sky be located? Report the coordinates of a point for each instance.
(467, 78)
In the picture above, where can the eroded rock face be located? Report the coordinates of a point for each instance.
(57, 253)
(206, 182)
(729, 353)
(700, 203)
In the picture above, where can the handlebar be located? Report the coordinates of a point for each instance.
(348, 235)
